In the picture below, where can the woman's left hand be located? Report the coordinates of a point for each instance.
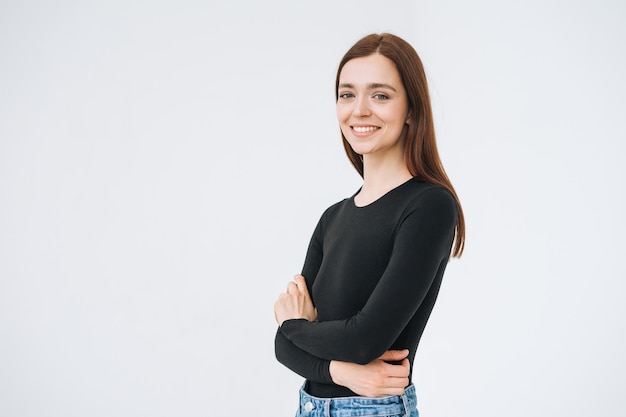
(296, 303)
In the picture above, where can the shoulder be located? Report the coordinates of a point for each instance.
(334, 208)
(431, 200)
(433, 194)
(331, 212)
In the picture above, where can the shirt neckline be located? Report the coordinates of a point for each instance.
(382, 197)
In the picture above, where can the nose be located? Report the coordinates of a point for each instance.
(361, 107)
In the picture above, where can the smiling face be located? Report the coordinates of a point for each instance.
(372, 106)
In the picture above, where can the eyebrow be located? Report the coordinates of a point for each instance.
(370, 86)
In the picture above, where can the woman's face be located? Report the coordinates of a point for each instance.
(372, 106)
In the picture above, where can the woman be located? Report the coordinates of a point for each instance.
(351, 323)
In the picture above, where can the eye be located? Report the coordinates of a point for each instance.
(380, 96)
(346, 96)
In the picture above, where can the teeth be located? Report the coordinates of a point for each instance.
(359, 129)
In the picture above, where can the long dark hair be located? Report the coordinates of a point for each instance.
(420, 147)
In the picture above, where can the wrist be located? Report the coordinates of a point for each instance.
(336, 369)
(332, 369)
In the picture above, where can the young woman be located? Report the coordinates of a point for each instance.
(351, 323)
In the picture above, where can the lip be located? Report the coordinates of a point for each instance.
(363, 130)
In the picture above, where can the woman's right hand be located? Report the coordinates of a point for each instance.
(295, 303)
(375, 379)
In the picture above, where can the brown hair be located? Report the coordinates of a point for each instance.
(420, 147)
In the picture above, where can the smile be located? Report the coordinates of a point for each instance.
(364, 129)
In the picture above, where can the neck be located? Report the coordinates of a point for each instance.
(386, 168)
(384, 177)
(381, 175)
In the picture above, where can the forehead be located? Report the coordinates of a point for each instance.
(370, 69)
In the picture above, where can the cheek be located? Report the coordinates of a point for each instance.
(343, 113)
(345, 130)
(397, 118)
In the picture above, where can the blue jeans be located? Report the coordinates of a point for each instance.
(391, 406)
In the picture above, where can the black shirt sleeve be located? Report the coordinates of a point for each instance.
(420, 253)
(301, 362)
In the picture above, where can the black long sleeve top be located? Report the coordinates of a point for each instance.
(373, 273)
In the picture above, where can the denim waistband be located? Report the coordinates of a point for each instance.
(401, 405)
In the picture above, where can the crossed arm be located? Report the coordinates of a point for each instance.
(342, 351)
(374, 379)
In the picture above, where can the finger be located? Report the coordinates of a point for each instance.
(394, 355)
(398, 371)
(395, 391)
(278, 302)
(404, 367)
(301, 284)
(394, 386)
(292, 288)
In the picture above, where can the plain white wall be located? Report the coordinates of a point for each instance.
(162, 166)
(530, 103)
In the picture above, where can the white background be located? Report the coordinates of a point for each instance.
(163, 164)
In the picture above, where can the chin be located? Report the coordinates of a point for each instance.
(359, 148)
